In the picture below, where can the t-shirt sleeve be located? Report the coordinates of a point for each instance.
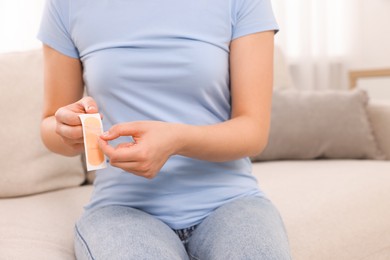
(252, 16)
(54, 30)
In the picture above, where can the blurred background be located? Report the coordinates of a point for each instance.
(322, 40)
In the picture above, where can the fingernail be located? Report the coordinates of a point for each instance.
(106, 133)
(90, 108)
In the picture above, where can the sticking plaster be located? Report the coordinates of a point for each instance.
(92, 129)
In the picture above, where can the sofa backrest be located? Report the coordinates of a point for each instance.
(27, 167)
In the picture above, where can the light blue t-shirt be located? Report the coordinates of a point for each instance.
(167, 61)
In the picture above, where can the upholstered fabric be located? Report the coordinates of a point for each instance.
(379, 112)
(41, 226)
(320, 124)
(27, 167)
(332, 209)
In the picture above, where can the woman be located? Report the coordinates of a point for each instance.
(191, 83)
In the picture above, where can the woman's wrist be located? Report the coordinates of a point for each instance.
(229, 140)
(178, 134)
(190, 140)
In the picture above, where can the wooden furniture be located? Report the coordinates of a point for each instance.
(354, 75)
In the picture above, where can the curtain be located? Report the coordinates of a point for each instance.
(19, 23)
(319, 39)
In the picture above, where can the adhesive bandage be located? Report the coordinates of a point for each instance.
(92, 129)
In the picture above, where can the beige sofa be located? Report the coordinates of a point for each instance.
(333, 209)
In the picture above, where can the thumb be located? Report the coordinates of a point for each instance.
(89, 105)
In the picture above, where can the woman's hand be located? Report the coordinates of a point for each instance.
(68, 124)
(154, 142)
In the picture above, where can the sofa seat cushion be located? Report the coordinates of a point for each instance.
(338, 209)
(41, 226)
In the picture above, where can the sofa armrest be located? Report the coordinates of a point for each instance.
(379, 113)
(358, 74)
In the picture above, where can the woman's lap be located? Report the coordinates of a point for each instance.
(117, 232)
(247, 228)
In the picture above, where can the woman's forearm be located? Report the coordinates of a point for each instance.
(230, 140)
(155, 141)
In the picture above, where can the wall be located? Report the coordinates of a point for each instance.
(375, 21)
(19, 23)
(374, 41)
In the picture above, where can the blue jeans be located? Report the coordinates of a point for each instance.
(244, 229)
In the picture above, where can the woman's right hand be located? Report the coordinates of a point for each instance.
(68, 124)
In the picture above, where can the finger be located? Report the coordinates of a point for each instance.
(73, 141)
(124, 145)
(106, 148)
(126, 154)
(134, 168)
(89, 105)
(67, 117)
(77, 147)
(125, 129)
(71, 132)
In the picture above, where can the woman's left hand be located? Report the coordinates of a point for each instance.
(154, 142)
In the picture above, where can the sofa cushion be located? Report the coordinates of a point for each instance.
(379, 112)
(27, 167)
(332, 209)
(41, 226)
(320, 124)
